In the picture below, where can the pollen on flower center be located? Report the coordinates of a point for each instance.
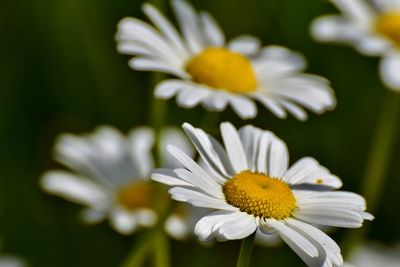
(388, 25)
(220, 68)
(260, 195)
(135, 195)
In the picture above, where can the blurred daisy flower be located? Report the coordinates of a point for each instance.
(250, 185)
(372, 28)
(11, 261)
(373, 254)
(112, 174)
(215, 73)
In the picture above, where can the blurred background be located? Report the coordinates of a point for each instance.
(60, 72)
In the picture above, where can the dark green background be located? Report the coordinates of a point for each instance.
(60, 72)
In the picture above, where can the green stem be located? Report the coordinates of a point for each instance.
(381, 150)
(161, 249)
(246, 248)
(377, 163)
(145, 243)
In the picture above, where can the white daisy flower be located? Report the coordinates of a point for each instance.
(215, 73)
(250, 185)
(373, 254)
(111, 174)
(372, 28)
(11, 261)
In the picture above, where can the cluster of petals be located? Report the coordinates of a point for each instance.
(258, 151)
(357, 25)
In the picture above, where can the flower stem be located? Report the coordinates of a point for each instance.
(246, 248)
(161, 249)
(377, 163)
(146, 242)
(381, 150)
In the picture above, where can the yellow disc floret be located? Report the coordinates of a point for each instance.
(260, 195)
(220, 68)
(135, 196)
(388, 25)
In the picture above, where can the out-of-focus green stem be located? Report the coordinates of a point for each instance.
(161, 249)
(377, 162)
(146, 243)
(246, 249)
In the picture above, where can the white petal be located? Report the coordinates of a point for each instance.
(92, 216)
(165, 27)
(271, 104)
(273, 156)
(122, 221)
(207, 225)
(250, 136)
(358, 10)
(332, 28)
(217, 101)
(330, 216)
(213, 154)
(294, 109)
(328, 250)
(134, 30)
(168, 177)
(189, 24)
(243, 106)
(176, 137)
(301, 245)
(208, 186)
(390, 70)
(191, 95)
(212, 30)
(192, 166)
(168, 88)
(199, 199)
(177, 227)
(238, 228)
(233, 146)
(73, 188)
(308, 170)
(141, 142)
(146, 63)
(245, 44)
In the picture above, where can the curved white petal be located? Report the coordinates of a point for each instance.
(168, 88)
(166, 28)
(189, 23)
(74, 188)
(147, 63)
(199, 199)
(141, 141)
(192, 166)
(125, 223)
(213, 154)
(308, 170)
(245, 44)
(207, 225)
(234, 147)
(212, 30)
(250, 138)
(176, 137)
(243, 106)
(273, 156)
(390, 70)
(238, 228)
(168, 177)
(301, 245)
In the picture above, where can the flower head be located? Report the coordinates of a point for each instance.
(249, 184)
(111, 175)
(215, 73)
(373, 29)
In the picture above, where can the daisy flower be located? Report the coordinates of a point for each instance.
(111, 174)
(373, 28)
(249, 184)
(215, 73)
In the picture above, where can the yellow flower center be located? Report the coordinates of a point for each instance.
(135, 196)
(388, 25)
(260, 195)
(220, 68)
